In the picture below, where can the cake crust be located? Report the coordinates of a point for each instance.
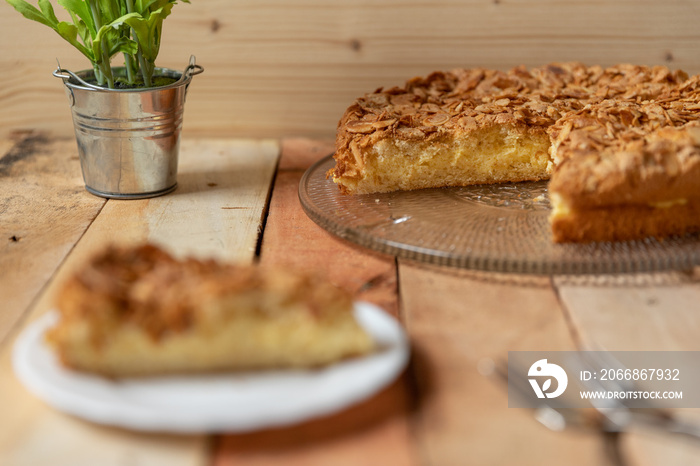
(139, 311)
(627, 222)
(621, 136)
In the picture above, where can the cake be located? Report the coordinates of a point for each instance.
(620, 145)
(138, 311)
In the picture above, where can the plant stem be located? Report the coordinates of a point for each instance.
(129, 64)
(105, 65)
(105, 68)
(129, 58)
(146, 70)
(95, 12)
(98, 75)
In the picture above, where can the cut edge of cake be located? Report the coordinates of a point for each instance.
(620, 140)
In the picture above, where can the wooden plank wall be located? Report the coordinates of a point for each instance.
(290, 67)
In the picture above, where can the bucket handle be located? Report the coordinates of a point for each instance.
(67, 74)
(193, 69)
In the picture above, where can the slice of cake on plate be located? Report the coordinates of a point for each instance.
(139, 311)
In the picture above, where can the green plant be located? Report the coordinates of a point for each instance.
(101, 29)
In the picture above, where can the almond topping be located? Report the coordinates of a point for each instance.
(358, 126)
(437, 119)
(384, 123)
(357, 154)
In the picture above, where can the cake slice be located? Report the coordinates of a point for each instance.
(625, 172)
(619, 144)
(138, 311)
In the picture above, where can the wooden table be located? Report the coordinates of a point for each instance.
(237, 201)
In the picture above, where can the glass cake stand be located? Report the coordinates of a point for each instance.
(499, 228)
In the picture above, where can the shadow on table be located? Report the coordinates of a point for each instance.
(396, 405)
(640, 280)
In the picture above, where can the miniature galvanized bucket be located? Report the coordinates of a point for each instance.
(128, 140)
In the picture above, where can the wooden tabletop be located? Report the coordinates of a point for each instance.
(237, 201)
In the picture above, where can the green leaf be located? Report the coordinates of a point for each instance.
(143, 6)
(124, 45)
(121, 21)
(47, 10)
(158, 4)
(83, 31)
(109, 33)
(70, 33)
(114, 35)
(140, 28)
(30, 12)
(155, 24)
(81, 9)
(109, 10)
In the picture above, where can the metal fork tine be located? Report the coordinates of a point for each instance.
(555, 419)
(608, 419)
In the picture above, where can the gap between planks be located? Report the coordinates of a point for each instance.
(459, 320)
(373, 432)
(190, 221)
(638, 312)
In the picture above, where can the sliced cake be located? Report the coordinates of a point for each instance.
(138, 311)
(619, 144)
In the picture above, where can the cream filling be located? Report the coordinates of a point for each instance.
(668, 204)
(560, 208)
(488, 155)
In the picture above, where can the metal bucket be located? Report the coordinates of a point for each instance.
(128, 140)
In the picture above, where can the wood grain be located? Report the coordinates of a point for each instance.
(194, 220)
(635, 315)
(444, 411)
(658, 312)
(374, 432)
(459, 322)
(44, 210)
(280, 67)
(292, 239)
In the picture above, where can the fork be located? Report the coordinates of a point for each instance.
(610, 416)
(558, 419)
(621, 417)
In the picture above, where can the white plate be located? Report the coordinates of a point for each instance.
(223, 402)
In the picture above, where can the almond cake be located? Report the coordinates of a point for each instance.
(621, 145)
(138, 311)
